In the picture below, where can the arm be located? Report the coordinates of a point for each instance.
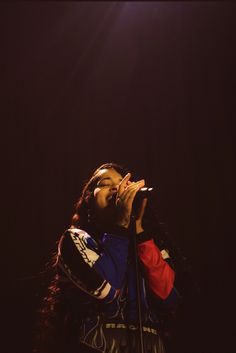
(97, 272)
(160, 276)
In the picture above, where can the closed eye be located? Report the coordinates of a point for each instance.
(106, 182)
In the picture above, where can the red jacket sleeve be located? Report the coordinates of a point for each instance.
(160, 276)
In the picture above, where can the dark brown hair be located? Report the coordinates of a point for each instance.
(59, 312)
(85, 202)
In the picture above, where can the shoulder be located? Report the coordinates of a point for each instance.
(77, 244)
(76, 237)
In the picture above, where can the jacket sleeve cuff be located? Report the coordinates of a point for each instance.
(142, 237)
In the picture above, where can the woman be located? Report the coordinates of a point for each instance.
(93, 298)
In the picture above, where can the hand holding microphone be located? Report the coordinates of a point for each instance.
(131, 197)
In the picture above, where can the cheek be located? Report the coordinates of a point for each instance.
(96, 192)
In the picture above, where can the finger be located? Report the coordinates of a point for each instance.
(132, 184)
(128, 183)
(130, 199)
(124, 182)
(125, 194)
(131, 195)
(125, 179)
(139, 184)
(142, 209)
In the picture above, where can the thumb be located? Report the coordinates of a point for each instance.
(142, 209)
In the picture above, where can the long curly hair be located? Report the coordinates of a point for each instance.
(85, 205)
(59, 313)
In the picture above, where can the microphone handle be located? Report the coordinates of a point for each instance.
(145, 192)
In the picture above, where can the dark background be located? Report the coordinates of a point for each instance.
(148, 85)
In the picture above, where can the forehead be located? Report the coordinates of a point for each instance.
(108, 173)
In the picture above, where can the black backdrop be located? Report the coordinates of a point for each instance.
(148, 85)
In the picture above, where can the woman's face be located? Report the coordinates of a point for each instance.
(104, 205)
(107, 186)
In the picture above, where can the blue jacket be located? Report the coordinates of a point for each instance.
(103, 272)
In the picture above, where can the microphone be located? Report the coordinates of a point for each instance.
(145, 192)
